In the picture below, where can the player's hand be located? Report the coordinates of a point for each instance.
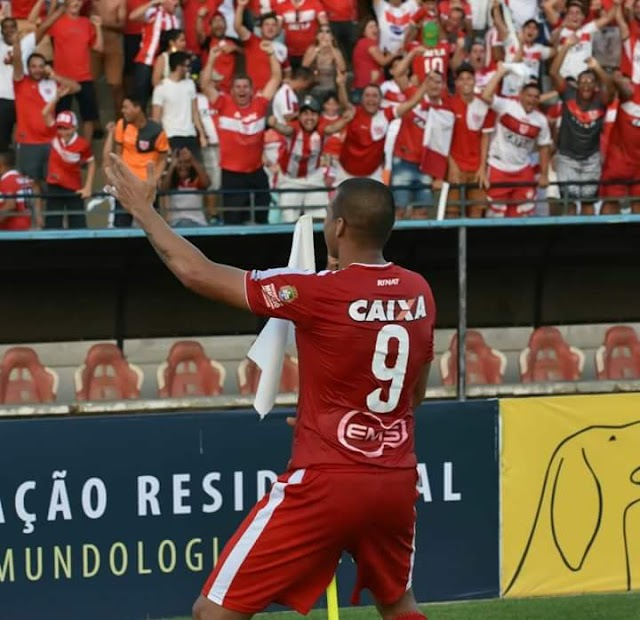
(134, 194)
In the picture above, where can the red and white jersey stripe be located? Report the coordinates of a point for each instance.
(630, 61)
(301, 153)
(392, 95)
(157, 20)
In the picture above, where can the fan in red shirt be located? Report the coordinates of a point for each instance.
(241, 121)
(33, 136)
(69, 154)
(622, 161)
(225, 49)
(190, 11)
(363, 150)
(300, 20)
(158, 16)
(14, 188)
(414, 185)
(469, 147)
(74, 37)
(300, 165)
(353, 446)
(435, 55)
(259, 69)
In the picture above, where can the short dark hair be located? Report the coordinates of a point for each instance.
(242, 76)
(590, 72)
(9, 20)
(270, 15)
(302, 73)
(8, 156)
(368, 208)
(136, 101)
(178, 59)
(36, 55)
(465, 67)
(330, 94)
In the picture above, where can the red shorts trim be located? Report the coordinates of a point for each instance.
(512, 201)
(618, 167)
(288, 547)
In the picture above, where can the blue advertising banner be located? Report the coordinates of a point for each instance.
(122, 517)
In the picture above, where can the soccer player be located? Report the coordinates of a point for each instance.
(351, 481)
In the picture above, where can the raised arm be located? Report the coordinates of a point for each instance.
(67, 83)
(556, 65)
(608, 17)
(137, 15)
(34, 14)
(238, 20)
(273, 84)
(411, 103)
(98, 46)
(200, 33)
(41, 30)
(18, 65)
(621, 21)
(606, 86)
(206, 83)
(490, 89)
(49, 110)
(194, 270)
(283, 129)
(341, 123)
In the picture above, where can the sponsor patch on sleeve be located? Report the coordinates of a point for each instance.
(270, 296)
(288, 293)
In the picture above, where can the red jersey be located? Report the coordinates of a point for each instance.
(299, 19)
(433, 59)
(133, 27)
(341, 10)
(225, 62)
(241, 132)
(355, 403)
(157, 20)
(364, 66)
(31, 96)
(301, 154)
(66, 161)
(190, 10)
(625, 134)
(333, 143)
(466, 143)
(363, 147)
(14, 186)
(73, 38)
(20, 9)
(259, 69)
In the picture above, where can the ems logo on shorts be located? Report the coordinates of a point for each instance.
(288, 293)
(270, 296)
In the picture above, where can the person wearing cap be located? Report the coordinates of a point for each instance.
(521, 131)
(574, 25)
(584, 107)
(522, 48)
(69, 154)
(300, 164)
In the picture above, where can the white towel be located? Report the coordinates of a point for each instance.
(269, 348)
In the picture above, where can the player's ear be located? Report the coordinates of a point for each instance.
(341, 226)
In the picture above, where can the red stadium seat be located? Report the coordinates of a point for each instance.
(550, 358)
(106, 375)
(619, 356)
(23, 378)
(249, 376)
(189, 372)
(484, 365)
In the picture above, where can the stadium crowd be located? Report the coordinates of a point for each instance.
(486, 101)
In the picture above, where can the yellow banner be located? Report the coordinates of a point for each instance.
(570, 494)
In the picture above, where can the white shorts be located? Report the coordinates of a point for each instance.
(293, 203)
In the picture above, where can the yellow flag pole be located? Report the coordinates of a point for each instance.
(333, 612)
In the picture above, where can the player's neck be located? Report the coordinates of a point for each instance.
(361, 257)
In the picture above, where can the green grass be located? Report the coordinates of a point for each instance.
(587, 607)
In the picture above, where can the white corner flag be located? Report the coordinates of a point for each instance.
(269, 347)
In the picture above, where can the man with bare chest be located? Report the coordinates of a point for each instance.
(111, 60)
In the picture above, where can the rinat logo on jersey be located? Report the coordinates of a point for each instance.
(386, 310)
(364, 432)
